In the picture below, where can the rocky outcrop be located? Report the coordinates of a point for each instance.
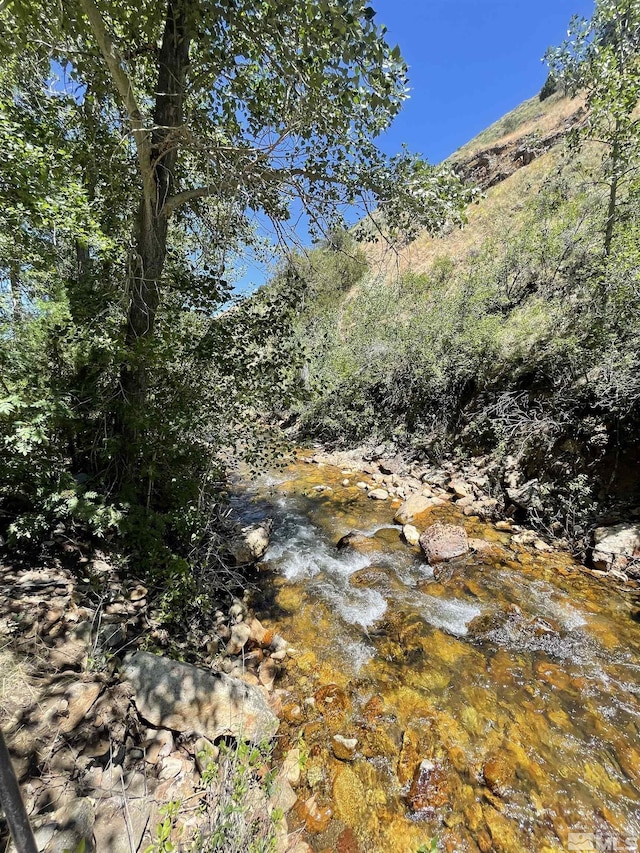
(441, 542)
(184, 698)
(495, 164)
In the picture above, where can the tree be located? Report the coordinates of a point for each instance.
(601, 57)
(225, 109)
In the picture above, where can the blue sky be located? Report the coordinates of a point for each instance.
(470, 62)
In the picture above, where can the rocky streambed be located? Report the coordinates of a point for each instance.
(448, 681)
(488, 702)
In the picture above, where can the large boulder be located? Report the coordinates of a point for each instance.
(441, 542)
(178, 696)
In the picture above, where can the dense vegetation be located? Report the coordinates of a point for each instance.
(144, 146)
(138, 151)
(520, 337)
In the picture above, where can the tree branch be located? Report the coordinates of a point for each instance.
(124, 86)
(271, 176)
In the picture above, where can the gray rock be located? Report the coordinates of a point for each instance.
(411, 534)
(184, 698)
(525, 495)
(121, 823)
(72, 824)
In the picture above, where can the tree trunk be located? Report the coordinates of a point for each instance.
(16, 292)
(613, 191)
(150, 240)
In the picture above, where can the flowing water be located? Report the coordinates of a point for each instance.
(495, 709)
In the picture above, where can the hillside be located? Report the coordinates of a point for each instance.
(520, 151)
(510, 339)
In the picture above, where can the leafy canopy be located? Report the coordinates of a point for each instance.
(283, 100)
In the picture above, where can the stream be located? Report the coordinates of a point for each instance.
(496, 708)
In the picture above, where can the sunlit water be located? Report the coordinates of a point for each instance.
(516, 674)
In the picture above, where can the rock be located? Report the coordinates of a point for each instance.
(345, 483)
(411, 534)
(283, 796)
(428, 789)
(292, 712)
(523, 496)
(112, 637)
(353, 540)
(413, 506)
(408, 758)
(601, 560)
(503, 525)
(72, 651)
(379, 494)
(460, 489)
(72, 825)
(240, 635)
(316, 819)
(237, 612)
(498, 775)
(332, 702)
(480, 545)
(138, 593)
(185, 698)
(121, 823)
(258, 632)
(171, 766)
(158, 744)
(80, 697)
(392, 466)
(344, 748)
(205, 754)
(347, 842)
(361, 485)
(267, 672)
(441, 542)
(252, 543)
(466, 502)
(281, 654)
(299, 847)
(527, 537)
(291, 766)
(618, 541)
(617, 575)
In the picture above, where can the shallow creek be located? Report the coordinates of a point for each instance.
(497, 708)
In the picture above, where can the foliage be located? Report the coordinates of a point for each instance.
(602, 58)
(509, 349)
(550, 87)
(237, 816)
(430, 846)
(145, 145)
